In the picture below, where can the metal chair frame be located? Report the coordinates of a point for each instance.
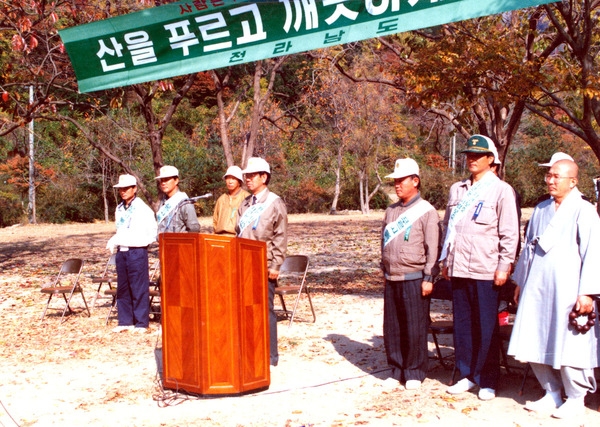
(108, 277)
(294, 264)
(72, 266)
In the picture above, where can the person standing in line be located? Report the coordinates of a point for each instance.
(410, 239)
(136, 230)
(556, 275)
(263, 216)
(225, 215)
(176, 213)
(481, 238)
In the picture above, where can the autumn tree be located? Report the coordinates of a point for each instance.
(475, 74)
(568, 91)
(358, 123)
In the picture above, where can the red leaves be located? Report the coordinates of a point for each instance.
(18, 43)
(33, 42)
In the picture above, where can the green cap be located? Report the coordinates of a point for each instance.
(479, 144)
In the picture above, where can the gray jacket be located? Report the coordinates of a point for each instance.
(414, 253)
(182, 219)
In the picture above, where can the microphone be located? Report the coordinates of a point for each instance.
(204, 196)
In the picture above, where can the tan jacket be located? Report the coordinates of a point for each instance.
(487, 242)
(271, 228)
(225, 215)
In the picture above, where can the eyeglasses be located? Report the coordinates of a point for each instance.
(556, 177)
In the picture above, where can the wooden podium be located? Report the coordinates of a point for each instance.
(214, 301)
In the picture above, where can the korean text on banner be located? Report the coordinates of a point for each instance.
(197, 35)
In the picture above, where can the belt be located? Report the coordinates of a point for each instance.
(122, 248)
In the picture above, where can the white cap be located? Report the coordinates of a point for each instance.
(256, 164)
(234, 171)
(496, 157)
(167, 172)
(555, 158)
(126, 181)
(404, 167)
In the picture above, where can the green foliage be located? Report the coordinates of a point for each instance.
(537, 142)
(11, 210)
(77, 205)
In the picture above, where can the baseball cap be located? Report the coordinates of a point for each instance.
(234, 171)
(126, 181)
(555, 158)
(479, 144)
(257, 164)
(404, 167)
(167, 172)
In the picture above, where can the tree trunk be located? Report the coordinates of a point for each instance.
(104, 198)
(336, 191)
(361, 191)
(223, 120)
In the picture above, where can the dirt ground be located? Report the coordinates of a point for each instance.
(330, 373)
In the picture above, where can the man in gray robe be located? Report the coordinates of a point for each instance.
(556, 274)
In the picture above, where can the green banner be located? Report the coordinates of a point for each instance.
(197, 35)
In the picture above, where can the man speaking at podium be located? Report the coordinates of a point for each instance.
(263, 216)
(176, 213)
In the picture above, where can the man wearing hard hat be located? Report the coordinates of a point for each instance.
(225, 216)
(263, 216)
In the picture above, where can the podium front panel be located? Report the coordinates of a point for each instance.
(215, 313)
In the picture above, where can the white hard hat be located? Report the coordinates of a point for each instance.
(167, 172)
(404, 167)
(555, 158)
(257, 164)
(234, 171)
(496, 157)
(126, 181)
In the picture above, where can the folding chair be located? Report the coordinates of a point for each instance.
(294, 267)
(66, 282)
(109, 277)
(155, 291)
(442, 290)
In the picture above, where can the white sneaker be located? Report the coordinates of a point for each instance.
(460, 387)
(570, 409)
(546, 404)
(412, 385)
(486, 393)
(122, 328)
(140, 330)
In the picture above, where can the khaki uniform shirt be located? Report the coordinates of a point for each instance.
(225, 216)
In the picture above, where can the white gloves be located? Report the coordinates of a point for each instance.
(112, 244)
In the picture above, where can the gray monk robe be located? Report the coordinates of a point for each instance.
(552, 273)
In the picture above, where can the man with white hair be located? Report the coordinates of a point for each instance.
(177, 213)
(225, 214)
(263, 216)
(557, 278)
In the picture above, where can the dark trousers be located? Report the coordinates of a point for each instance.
(133, 288)
(405, 323)
(274, 353)
(476, 344)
